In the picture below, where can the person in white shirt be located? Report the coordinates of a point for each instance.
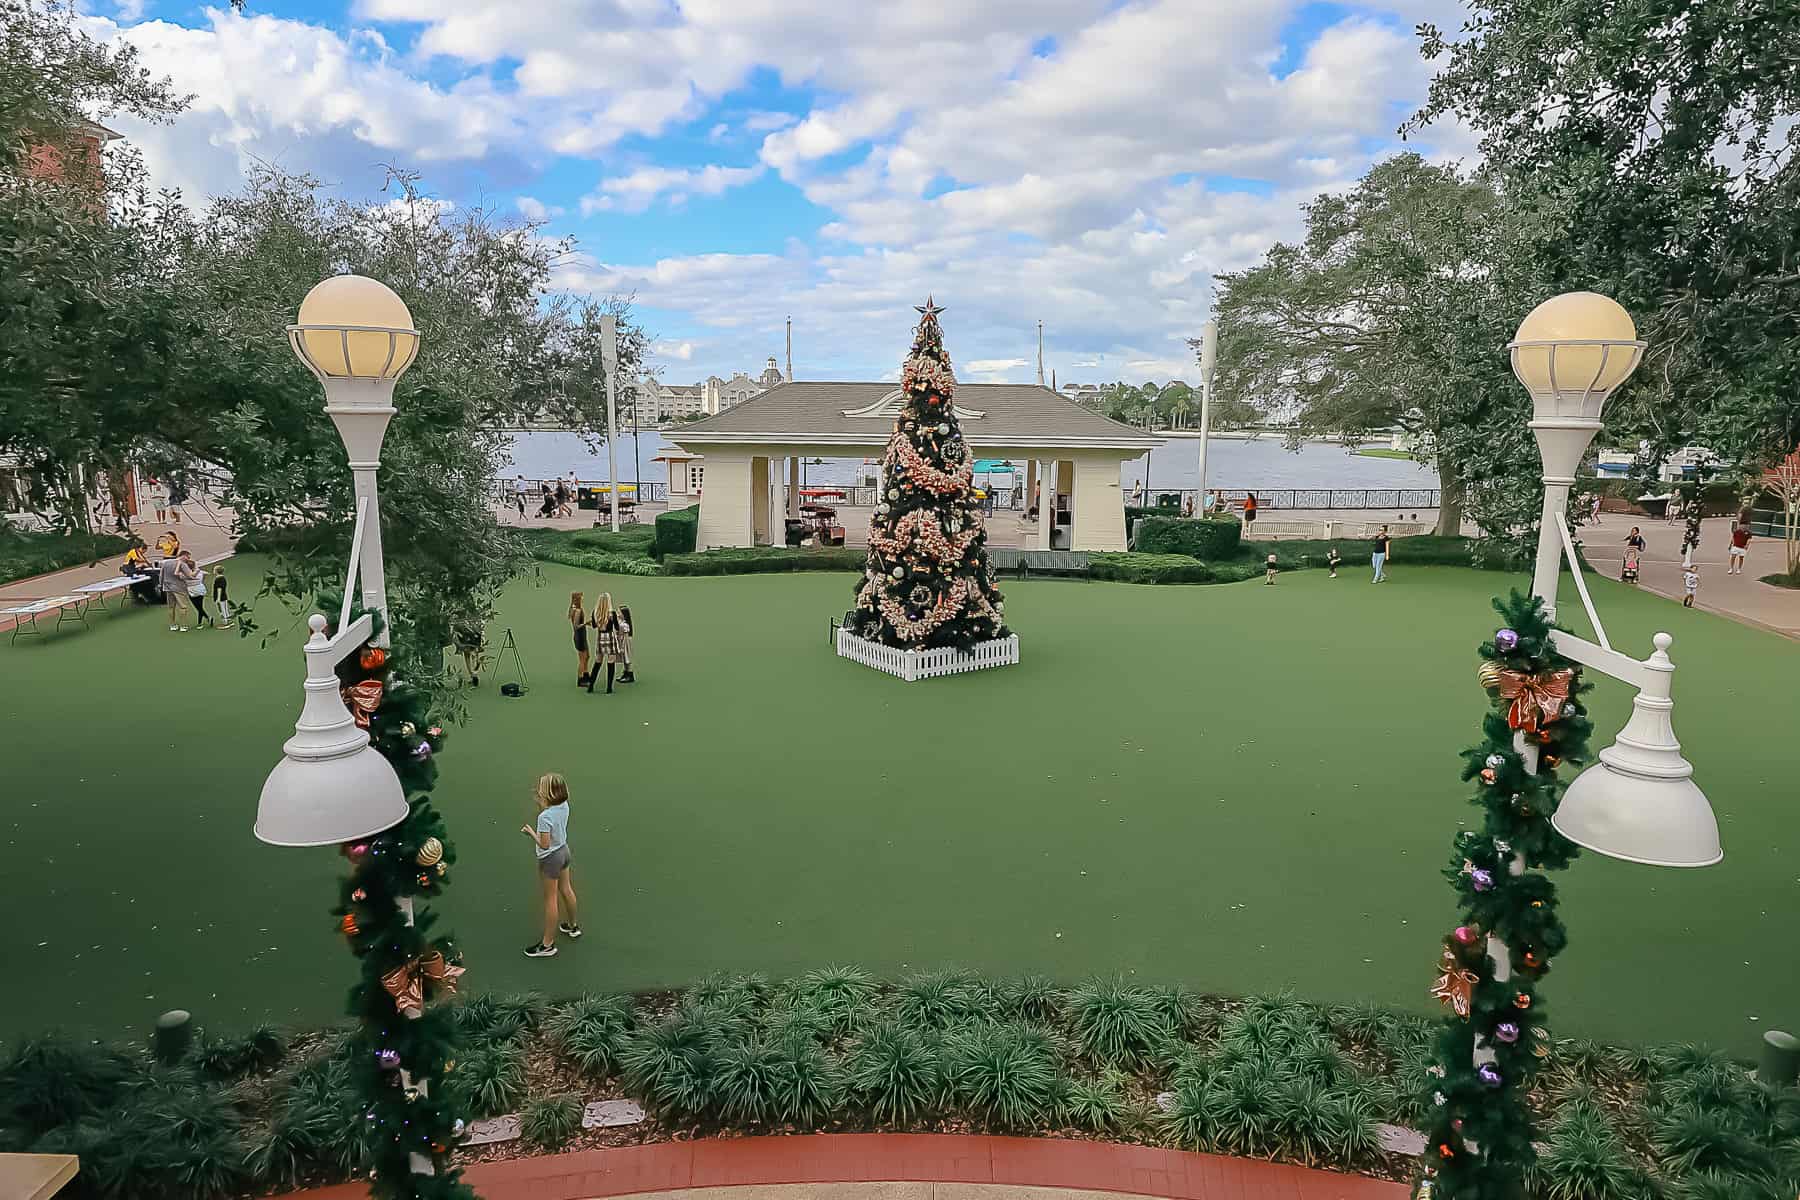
(1690, 584)
(519, 490)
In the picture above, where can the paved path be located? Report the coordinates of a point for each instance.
(1741, 597)
(769, 1168)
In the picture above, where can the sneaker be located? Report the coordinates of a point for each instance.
(539, 950)
(174, 628)
(569, 930)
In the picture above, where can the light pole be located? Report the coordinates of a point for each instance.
(359, 749)
(609, 355)
(1209, 361)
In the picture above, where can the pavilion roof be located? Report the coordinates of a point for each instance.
(853, 413)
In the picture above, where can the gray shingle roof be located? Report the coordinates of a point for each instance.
(1011, 414)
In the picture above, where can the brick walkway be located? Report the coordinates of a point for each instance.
(1014, 1163)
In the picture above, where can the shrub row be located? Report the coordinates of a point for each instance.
(1267, 1076)
(758, 560)
(1205, 539)
(24, 554)
(677, 532)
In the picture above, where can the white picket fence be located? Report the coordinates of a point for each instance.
(923, 664)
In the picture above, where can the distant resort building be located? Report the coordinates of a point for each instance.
(662, 402)
(1081, 393)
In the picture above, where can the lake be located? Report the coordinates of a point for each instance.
(1231, 463)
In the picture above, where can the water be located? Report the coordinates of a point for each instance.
(1231, 463)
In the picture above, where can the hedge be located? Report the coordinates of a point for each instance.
(1205, 539)
(23, 554)
(761, 560)
(1134, 514)
(1150, 568)
(607, 561)
(677, 532)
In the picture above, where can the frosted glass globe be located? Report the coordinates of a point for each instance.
(1559, 367)
(358, 314)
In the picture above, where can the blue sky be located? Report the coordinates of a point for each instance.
(1087, 163)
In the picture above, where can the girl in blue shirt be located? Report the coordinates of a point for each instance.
(551, 841)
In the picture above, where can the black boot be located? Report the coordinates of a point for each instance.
(609, 678)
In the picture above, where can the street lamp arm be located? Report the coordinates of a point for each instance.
(356, 541)
(1587, 601)
(1645, 675)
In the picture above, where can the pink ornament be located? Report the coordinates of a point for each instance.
(356, 852)
(1465, 935)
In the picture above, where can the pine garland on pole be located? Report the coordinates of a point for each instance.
(402, 1049)
(928, 582)
(1479, 1128)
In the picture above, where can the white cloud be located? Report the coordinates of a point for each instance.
(533, 209)
(668, 349)
(638, 190)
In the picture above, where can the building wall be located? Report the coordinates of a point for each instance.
(725, 509)
(1099, 502)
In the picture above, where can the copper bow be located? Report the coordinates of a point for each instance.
(1456, 986)
(362, 699)
(1537, 700)
(406, 983)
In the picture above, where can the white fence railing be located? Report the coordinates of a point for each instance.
(923, 664)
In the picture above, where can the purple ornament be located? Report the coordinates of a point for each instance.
(387, 1060)
(1482, 879)
(1506, 641)
(1506, 1032)
(1489, 1075)
(422, 750)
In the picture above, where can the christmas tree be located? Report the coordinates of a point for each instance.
(928, 582)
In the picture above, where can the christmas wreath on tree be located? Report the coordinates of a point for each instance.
(927, 582)
(1479, 1127)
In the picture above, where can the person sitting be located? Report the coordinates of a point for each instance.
(136, 562)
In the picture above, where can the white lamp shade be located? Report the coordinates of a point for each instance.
(325, 801)
(1572, 350)
(1660, 821)
(354, 327)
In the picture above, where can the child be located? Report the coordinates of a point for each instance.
(1269, 570)
(1332, 560)
(220, 598)
(550, 838)
(608, 651)
(1628, 572)
(1690, 583)
(625, 643)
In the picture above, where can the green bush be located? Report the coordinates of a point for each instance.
(23, 554)
(672, 1066)
(1096, 1105)
(1207, 539)
(490, 1081)
(604, 561)
(50, 1081)
(677, 532)
(591, 1031)
(1005, 1075)
(1134, 513)
(631, 539)
(1116, 1024)
(892, 1073)
(222, 1058)
(551, 1122)
(1149, 568)
(761, 560)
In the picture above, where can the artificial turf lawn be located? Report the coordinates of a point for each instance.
(1235, 787)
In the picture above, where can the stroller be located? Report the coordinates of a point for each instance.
(1628, 573)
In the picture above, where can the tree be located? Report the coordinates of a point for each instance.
(1393, 310)
(1784, 480)
(1656, 145)
(928, 582)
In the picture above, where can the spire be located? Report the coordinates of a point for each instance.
(790, 349)
(1040, 354)
(1053, 379)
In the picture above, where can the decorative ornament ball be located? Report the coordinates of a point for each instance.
(1532, 960)
(373, 658)
(1488, 673)
(1501, 847)
(1481, 880)
(933, 400)
(1569, 710)
(422, 750)
(1521, 1001)
(1439, 1099)
(430, 851)
(407, 729)
(1465, 935)
(1552, 761)
(1488, 775)
(1506, 1032)
(1489, 1075)
(356, 852)
(435, 731)
(897, 572)
(882, 507)
(359, 895)
(1506, 641)
(943, 429)
(1444, 1150)
(893, 493)
(387, 1060)
(348, 925)
(443, 868)
(1496, 761)
(1537, 904)
(424, 881)
(456, 1126)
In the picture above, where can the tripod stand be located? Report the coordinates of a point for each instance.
(508, 645)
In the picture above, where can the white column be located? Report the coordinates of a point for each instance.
(1047, 508)
(1209, 350)
(793, 497)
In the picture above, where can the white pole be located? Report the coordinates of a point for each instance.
(361, 410)
(609, 353)
(1209, 358)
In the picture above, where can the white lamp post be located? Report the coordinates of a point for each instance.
(331, 786)
(1209, 360)
(1639, 802)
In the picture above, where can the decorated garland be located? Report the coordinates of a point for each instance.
(403, 1047)
(1479, 1128)
(927, 582)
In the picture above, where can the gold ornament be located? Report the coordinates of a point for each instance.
(1488, 674)
(430, 851)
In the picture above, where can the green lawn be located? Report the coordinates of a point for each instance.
(1236, 787)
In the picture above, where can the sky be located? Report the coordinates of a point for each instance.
(1090, 164)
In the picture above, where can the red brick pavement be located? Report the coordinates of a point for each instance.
(901, 1157)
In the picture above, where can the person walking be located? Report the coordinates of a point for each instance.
(159, 502)
(519, 496)
(627, 675)
(1269, 568)
(606, 642)
(174, 590)
(1332, 560)
(1690, 584)
(1634, 549)
(550, 839)
(221, 599)
(178, 496)
(194, 580)
(578, 620)
(1740, 547)
(1378, 559)
(1250, 509)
